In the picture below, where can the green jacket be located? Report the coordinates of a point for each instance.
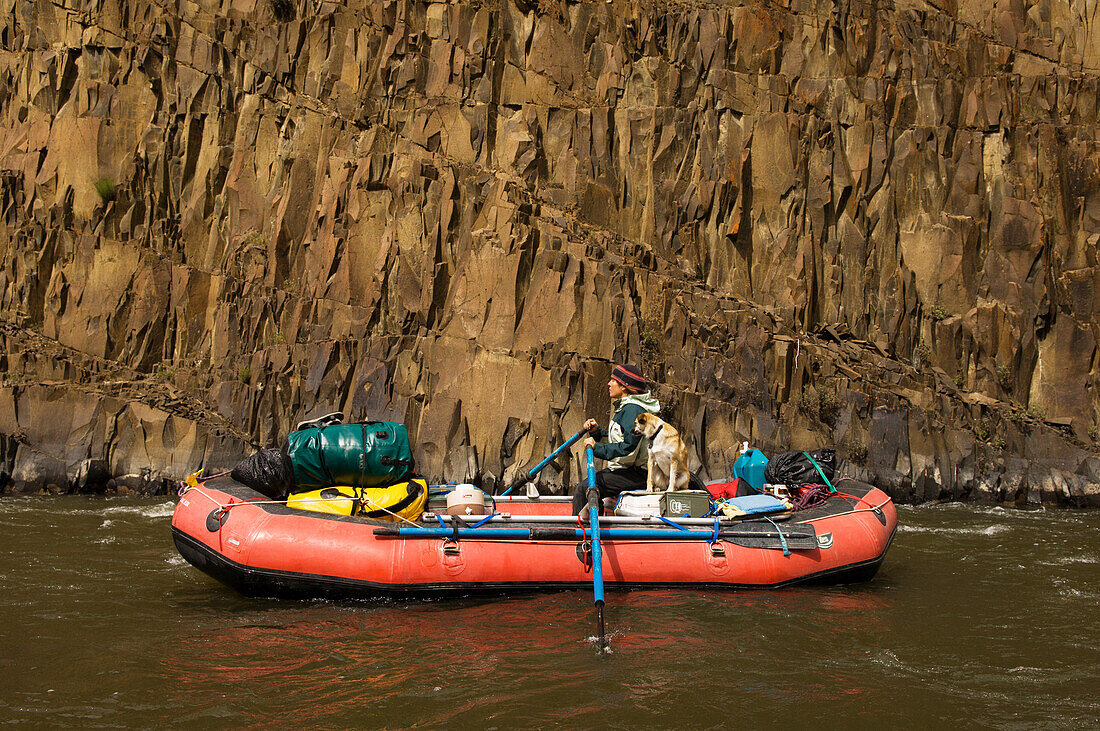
(622, 448)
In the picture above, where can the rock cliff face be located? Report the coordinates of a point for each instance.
(869, 225)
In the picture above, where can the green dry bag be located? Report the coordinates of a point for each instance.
(370, 454)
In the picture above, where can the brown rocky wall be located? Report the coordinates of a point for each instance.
(868, 225)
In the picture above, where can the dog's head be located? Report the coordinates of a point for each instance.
(646, 425)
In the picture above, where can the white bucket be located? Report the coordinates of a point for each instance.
(466, 500)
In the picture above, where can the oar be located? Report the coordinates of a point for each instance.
(800, 536)
(530, 474)
(597, 553)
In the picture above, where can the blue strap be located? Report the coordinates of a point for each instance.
(663, 519)
(782, 538)
(484, 520)
(453, 528)
(714, 538)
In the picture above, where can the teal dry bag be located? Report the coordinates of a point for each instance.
(369, 454)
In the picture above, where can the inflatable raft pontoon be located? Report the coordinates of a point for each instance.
(261, 547)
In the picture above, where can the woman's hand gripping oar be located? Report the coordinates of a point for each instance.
(593, 495)
(530, 474)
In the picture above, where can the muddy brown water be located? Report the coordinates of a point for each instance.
(979, 618)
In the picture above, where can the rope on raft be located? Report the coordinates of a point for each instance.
(871, 509)
(223, 508)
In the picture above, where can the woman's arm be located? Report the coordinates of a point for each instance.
(625, 418)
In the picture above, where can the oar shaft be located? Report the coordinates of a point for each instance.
(530, 474)
(553, 455)
(597, 551)
(563, 533)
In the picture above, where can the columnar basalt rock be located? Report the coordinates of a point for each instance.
(873, 226)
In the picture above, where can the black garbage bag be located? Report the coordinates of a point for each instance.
(793, 468)
(268, 472)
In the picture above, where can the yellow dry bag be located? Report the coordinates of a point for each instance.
(331, 500)
(404, 499)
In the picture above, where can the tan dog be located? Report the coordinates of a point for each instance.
(667, 466)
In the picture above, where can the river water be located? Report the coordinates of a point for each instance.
(979, 617)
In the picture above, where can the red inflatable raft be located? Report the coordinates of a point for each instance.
(263, 548)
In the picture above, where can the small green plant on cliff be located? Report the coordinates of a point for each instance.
(278, 339)
(1004, 377)
(291, 283)
(960, 381)
(829, 407)
(1037, 412)
(1094, 433)
(649, 334)
(857, 452)
(923, 352)
(986, 431)
(283, 10)
(938, 313)
(244, 375)
(807, 402)
(163, 372)
(651, 344)
(106, 189)
(823, 404)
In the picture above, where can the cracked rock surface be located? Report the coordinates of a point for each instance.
(872, 226)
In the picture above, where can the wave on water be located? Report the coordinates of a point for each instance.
(887, 659)
(163, 510)
(88, 505)
(1066, 560)
(991, 530)
(1029, 512)
(1078, 594)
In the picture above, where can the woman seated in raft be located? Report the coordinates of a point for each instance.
(625, 452)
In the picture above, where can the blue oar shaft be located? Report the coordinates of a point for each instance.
(597, 552)
(553, 455)
(553, 533)
(530, 475)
